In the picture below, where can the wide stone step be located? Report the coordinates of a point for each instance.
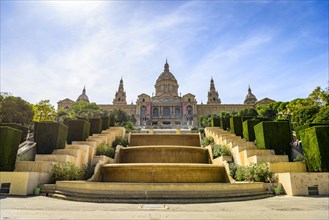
(164, 173)
(164, 154)
(268, 158)
(158, 192)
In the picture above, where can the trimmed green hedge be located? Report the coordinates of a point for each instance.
(248, 129)
(95, 126)
(215, 121)
(49, 136)
(236, 125)
(78, 130)
(273, 135)
(9, 142)
(22, 128)
(225, 123)
(316, 147)
(105, 122)
(300, 128)
(112, 122)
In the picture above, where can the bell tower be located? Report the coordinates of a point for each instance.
(120, 95)
(213, 97)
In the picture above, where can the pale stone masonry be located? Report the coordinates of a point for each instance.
(167, 107)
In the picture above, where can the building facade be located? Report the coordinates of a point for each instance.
(166, 108)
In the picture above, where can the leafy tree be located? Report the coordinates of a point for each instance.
(322, 115)
(84, 110)
(15, 110)
(248, 112)
(319, 97)
(121, 117)
(267, 111)
(305, 115)
(44, 111)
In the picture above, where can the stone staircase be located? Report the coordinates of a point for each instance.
(245, 153)
(30, 174)
(162, 173)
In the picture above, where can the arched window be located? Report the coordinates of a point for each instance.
(155, 112)
(214, 99)
(143, 100)
(177, 112)
(189, 110)
(143, 111)
(166, 112)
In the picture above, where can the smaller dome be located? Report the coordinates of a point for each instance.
(250, 98)
(83, 96)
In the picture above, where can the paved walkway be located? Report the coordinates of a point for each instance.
(279, 207)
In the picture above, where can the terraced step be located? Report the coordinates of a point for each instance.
(253, 152)
(158, 192)
(268, 158)
(164, 173)
(287, 167)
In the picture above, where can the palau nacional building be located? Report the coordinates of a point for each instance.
(167, 108)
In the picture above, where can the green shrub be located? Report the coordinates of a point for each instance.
(221, 150)
(9, 141)
(105, 149)
(316, 147)
(129, 126)
(49, 136)
(120, 141)
(300, 158)
(201, 130)
(78, 130)
(259, 172)
(22, 128)
(273, 135)
(233, 169)
(207, 141)
(248, 129)
(215, 121)
(95, 126)
(87, 171)
(105, 122)
(66, 171)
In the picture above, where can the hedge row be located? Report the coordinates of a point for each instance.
(248, 128)
(49, 136)
(22, 128)
(215, 121)
(316, 147)
(78, 130)
(95, 126)
(300, 128)
(236, 124)
(225, 123)
(273, 135)
(105, 122)
(9, 142)
(112, 122)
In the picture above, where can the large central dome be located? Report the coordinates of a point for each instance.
(166, 84)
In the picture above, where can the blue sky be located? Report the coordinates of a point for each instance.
(51, 49)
